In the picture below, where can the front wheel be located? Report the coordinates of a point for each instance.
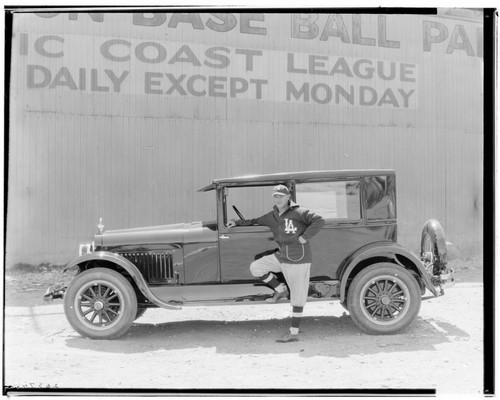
(140, 313)
(100, 304)
(383, 299)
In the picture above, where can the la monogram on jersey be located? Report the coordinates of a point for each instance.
(289, 227)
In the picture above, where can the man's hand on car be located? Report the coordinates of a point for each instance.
(231, 224)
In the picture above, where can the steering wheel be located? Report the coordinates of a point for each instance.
(238, 213)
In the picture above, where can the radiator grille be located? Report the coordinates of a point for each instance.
(155, 267)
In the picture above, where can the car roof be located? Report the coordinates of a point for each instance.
(297, 177)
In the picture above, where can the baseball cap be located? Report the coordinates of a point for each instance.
(281, 190)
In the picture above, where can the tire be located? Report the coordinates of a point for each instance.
(140, 313)
(433, 248)
(384, 299)
(420, 282)
(100, 304)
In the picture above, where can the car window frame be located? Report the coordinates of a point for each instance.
(292, 184)
(332, 222)
(378, 221)
(222, 207)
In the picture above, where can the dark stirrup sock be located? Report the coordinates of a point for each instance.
(296, 318)
(272, 281)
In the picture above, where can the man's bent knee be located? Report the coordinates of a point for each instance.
(257, 269)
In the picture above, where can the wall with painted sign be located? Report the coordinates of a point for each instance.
(125, 115)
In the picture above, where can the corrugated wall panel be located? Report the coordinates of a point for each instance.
(130, 184)
(80, 151)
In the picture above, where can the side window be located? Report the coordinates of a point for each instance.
(380, 194)
(251, 202)
(331, 200)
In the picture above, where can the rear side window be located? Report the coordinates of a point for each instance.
(331, 200)
(380, 196)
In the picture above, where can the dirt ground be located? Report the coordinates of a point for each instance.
(233, 347)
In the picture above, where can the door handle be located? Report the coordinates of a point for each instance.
(224, 237)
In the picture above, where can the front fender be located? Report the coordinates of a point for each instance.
(382, 249)
(127, 266)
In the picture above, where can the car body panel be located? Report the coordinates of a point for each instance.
(128, 266)
(384, 248)
(254, 292)
(331, 245)
(222, 293)
(238, 248)
(194, 232)
(201, 263)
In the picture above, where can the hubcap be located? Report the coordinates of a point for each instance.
(99, 304)
(385, 300)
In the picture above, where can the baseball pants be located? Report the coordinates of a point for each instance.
(296, 275)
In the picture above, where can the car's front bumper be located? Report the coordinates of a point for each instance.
(55, 292)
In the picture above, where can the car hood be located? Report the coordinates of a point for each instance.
(194, 232)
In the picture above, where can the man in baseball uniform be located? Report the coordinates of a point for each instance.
(292, 227)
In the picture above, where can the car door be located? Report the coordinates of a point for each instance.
(240, 245)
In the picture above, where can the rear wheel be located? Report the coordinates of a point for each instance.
(100, 304)
(383, 299)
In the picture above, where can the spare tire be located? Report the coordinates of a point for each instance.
(433, 249)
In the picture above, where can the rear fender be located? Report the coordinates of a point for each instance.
(127, 266)
(390, 250)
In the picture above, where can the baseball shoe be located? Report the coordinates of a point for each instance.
(288, 337)
(280, 295)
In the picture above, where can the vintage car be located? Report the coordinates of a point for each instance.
(356, 257)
